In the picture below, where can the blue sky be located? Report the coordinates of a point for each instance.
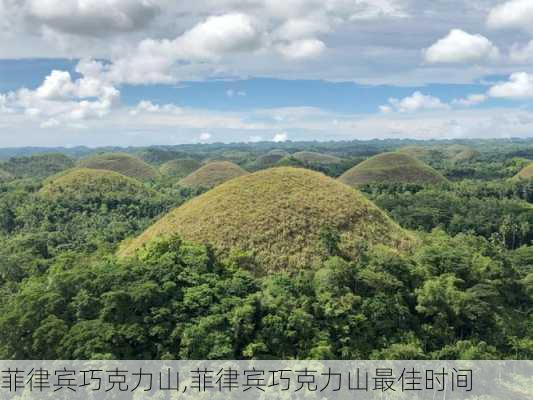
(142, 72)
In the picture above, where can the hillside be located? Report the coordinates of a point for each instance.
(179, 168)
(280, 214)
(419, 152)
(212, 174)
(269, 159)
(391, 168)
(122, 163)
(459, 153)
(310, 157)
(37, 166)
(4, 175)
(525, 174)
(84, 182)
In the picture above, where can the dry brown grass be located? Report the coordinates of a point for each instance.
(278, 214)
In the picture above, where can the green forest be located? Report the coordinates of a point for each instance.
(384, 249)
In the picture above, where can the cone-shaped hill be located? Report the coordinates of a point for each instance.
(122, 163)
(310, 157)
(391, 168)
(179, 168)
(212, 174)
(280, 215)
(269, 159)
(459, 153)
(525, 174)
(83, 183)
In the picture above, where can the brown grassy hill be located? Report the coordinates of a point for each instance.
(280, 215)
(391, 168)
(416, 151)
(525, 174)
(179, 168)
(94, 183)
(122, 163)
(212, 174)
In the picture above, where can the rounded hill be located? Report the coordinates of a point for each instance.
(94, 183)
(280, 216)
(212, 174)
(525, 174)
(269, 159)
(122, 163)
(310, 157)
(391, 168)
(179, 168)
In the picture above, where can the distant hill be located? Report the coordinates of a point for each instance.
(269, 159)
(419, 152)
(212, 174)
(525, 174)
(84, 182)
(391, 168)
(310, 157)
(37, 166)
(282, 215)
(122, 163)
(179, 168)
(459, 153)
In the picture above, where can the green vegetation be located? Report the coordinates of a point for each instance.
(279, 216)
(525, 174)
(5, 176)
(391, 168)
(179, 168)
(122, 163)
(212, 174)
(36, 167)
(283, 263)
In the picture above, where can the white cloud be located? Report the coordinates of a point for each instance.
(235, 93)
(461, 47)
(302, 49)
(205, 136)
(512, 14)
(93, 18)
(519, 86)
(470, 100)
(522, 54)
(416, 102)
(280, 137)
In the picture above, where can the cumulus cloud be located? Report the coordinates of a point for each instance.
(280, 137)
(470, 100)
(302, 49)
(416, 102)
(519, 86)
(461, 47)
(512, 14)
(205, 136)
(522, 54)
(92, 18)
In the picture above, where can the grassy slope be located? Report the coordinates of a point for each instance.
(83, 182)
(525, 174)
(212, 174)
(4, 175)
(316, 158)
(124, 164)
(391, 168)
(278, 213)
(179, 168)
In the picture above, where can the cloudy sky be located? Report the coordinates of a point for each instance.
(138, 72)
